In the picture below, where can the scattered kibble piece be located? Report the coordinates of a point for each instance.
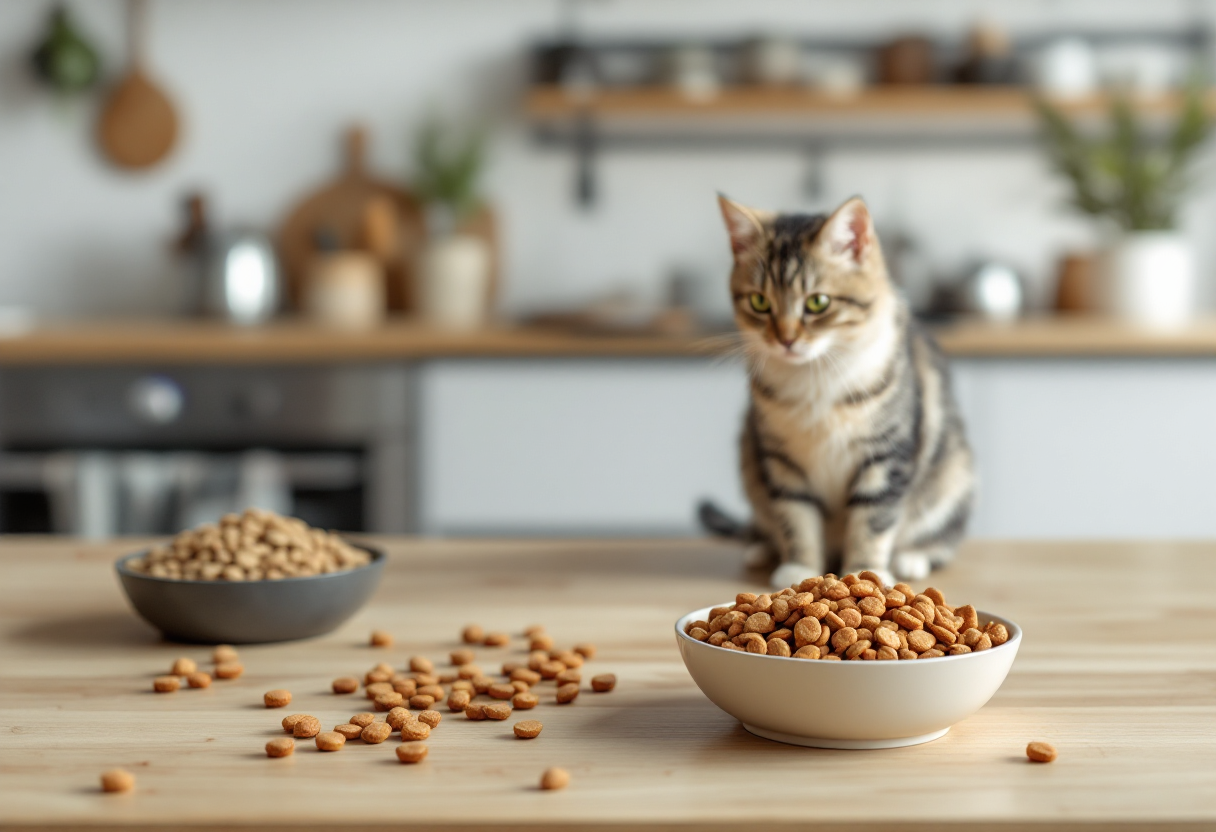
(475, 711)
(567, 657)
(229, 670)
(348, 730)
(1041, 752)
(305, 727)
(431, 718)
(586, 650)
(462, 656)
(117, 780)
(330, 740)
(603, 683)
(345, 684)
(414, 731)
(528, 729)
(459, 700)
(525, 701)
(199, 679)
(376, 732)
(568, 676)
(497, 710)
(412, 752)
(541, 641)
(396, 717)
(362, 720)
(523, 674)
(405, 687)
(502, 691)
(421, 664)
(567, 693)
(289, 721)
(472, 634)
(554, 778)
(277, 698)
(166, 684)
(381, 638)
(421, 701)
(436, 692)
(388, 701)
(282, 747)
(224, 653)
(533, 630)
(496, 640)
(550, 668)
(184, 667)
(374, 689)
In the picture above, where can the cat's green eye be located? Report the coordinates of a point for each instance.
(817, 303)
(760, 303)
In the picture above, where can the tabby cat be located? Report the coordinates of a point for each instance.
(853, 452)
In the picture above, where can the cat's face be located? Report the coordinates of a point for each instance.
(805, 286)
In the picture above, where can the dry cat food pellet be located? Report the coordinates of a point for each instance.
(525, 701)
(502, 691)
(436, 692)
(381, 638)
(459, 700)
(282, 747)
(421, 701)
(254, 546)
(1041, 752)
(184, 667)
(396, 717)
(229, 670)
(405, 687)
(475, 711)
(199, 679)
(431, 718)
(461, 656)
(421, 664)
(374, 689)
(523, 674)
(166, 684)
(117, 780)
(415, 731)
(497, 710)
(521, 687)
(496, 640)
(567, 693)
(541, 641)
(528, 729)
(567, 657)
(376, 732)
(362, 720)
(308, 726)
(388, 701)
(330, 740)
(586, 650)
(412, 752)
(345, 684)
(550, 669)
(554, 778)
(425, 679)
(568, 676)
(603, 683)
(289, 721)
(855, 618)
(472, 634)
(468, 672)
(277, 698)
(224, 653)
(349, 730)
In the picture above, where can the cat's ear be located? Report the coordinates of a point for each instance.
(849, 232)
(746, 226)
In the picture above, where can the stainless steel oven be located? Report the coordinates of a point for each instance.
(101, 451)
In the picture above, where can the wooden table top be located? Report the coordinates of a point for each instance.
(1117, 669)
(191, 342)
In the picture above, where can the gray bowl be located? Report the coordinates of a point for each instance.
(250, 612)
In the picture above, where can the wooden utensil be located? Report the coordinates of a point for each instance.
(138, 125)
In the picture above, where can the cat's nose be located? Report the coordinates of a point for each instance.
(786, 343)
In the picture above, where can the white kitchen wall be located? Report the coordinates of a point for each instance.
(265, 87)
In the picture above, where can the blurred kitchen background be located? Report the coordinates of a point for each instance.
(458, 268)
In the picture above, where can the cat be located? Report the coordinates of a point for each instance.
(853, 452)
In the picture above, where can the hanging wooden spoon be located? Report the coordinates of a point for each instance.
(138, 125)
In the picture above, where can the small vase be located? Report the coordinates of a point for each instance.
(1148, 278)
(456, 281)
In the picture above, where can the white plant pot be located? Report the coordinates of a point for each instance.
(455, 282)
(1148, 278)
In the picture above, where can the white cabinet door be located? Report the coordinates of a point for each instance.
(577, 446)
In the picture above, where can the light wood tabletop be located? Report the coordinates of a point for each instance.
(1117, 670)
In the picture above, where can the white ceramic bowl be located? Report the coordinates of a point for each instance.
(847, 704)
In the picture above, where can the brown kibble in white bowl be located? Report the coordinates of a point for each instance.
(376, 732)
(184, 667)
(554, 779)
(412, 752)
(528, 729)
(166, 684)
(381, 638)
(431, 718)
(525, 701)
(603, 682)
(305, 727)
(224, 653)
(277, 698)
(199, 679)
(229, 670)
(282, 747)
(345, 684)
(117, 780)
(348, 730)
(330, 740)
(1041, 752)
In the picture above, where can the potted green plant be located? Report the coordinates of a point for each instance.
(455, 268)
(1134, 178)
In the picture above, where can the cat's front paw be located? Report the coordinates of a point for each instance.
(912, 566)
(792, 574)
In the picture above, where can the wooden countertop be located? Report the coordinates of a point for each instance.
(168, 342)
(1117, 669)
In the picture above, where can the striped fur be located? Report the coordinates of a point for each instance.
(853, 452)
